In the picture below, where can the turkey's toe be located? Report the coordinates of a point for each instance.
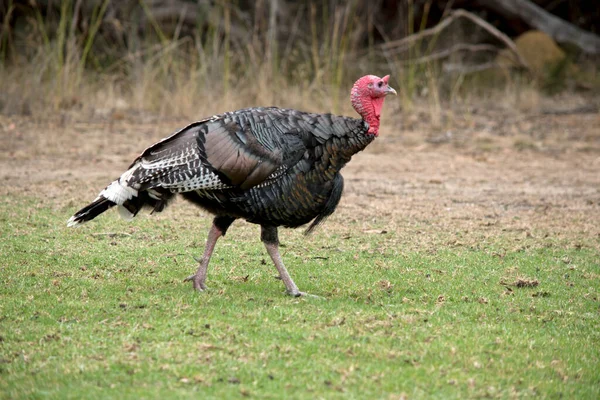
(197, 283)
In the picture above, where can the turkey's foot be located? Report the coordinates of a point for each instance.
(214, 234)
(197, 282)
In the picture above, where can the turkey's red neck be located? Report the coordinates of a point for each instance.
(368, 107)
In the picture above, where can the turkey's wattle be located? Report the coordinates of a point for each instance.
(270, 166)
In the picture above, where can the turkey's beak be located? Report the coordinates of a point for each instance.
(390, 90)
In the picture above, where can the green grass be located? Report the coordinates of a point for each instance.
(84, 315)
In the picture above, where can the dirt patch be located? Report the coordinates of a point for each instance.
(463, 180)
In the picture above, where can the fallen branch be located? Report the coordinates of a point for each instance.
(401, 45)
(535, 16)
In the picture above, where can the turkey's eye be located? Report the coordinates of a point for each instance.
(380, 83)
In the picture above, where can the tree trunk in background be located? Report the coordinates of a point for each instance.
(560, 30)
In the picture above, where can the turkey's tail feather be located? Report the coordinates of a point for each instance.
(90, 211)
(154, 199)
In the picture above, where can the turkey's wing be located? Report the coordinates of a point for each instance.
(212, 154)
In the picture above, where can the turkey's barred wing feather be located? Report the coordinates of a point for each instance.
(175, 163)
(175, 148)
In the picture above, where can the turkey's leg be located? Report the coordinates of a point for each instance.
(268, 235)
(218, 229)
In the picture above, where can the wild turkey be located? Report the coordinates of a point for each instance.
(271, 166)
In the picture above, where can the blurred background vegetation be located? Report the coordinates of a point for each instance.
(193, 57)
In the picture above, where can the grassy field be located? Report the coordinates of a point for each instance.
(102, 312)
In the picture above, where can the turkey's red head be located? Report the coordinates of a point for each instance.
(367, 97)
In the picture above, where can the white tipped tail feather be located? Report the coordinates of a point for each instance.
(90, 211)
(73, 222)
(117, 193)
